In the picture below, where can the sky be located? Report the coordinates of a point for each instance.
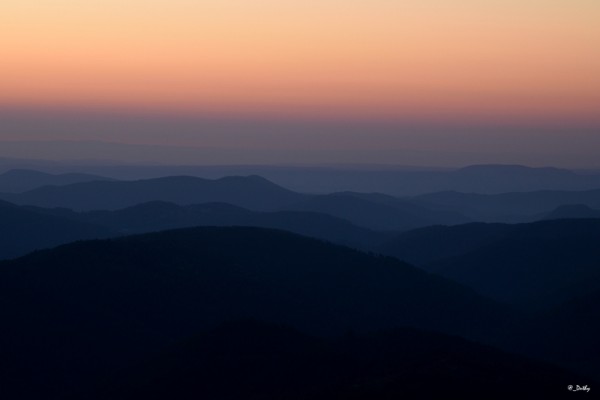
(342, 76)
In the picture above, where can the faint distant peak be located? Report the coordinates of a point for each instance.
(511, 168)
(255, 180)
(23, 171)
(21, 180)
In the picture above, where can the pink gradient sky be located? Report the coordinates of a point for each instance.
(439, 63)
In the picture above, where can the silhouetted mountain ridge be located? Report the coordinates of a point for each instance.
(21, 180)
(551, 268)
(64, 225)
(81, 309)
(430, 244)
(378, 211)
(570, 211)
(396, 180)
(23, 230)
(250, 192)
(373, 211)
(536, 265)
(157, 216)
(507, 207)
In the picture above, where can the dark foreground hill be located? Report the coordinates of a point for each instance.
(567, 334)
(550, 267)
(252, 360)
(434, 243)
(535, 266)
(21, 180)
(80, 310)
(23, 230)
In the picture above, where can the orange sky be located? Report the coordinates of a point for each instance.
(461, 59)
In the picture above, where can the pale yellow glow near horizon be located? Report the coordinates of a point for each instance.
(461, 59)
